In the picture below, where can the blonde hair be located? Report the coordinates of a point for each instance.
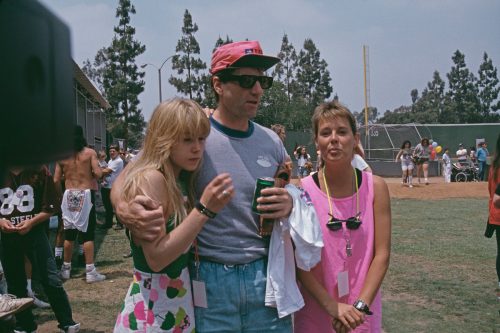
(172, 121)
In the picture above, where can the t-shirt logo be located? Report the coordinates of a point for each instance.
(22, 198)
(264, 161)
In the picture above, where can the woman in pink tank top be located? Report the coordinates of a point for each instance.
(342, 292)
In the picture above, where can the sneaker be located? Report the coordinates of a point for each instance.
(72, 329)
(411, 185)
(38, 302)
(22, 331)
(426, 181)
(65, 272)
(9, 304)
(94, 276)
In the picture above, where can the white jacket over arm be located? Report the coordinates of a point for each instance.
(303, 228)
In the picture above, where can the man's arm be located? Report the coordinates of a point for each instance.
(142, 215)
(58, 173)
(94, 162)
(496, 197)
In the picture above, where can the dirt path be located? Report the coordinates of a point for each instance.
(436, 189)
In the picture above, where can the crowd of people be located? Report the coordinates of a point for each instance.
(212, 249)
(30, 196)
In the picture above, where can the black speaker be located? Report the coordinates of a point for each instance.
(36, 85)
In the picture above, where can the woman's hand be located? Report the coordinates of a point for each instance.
(218, 193)
(345, 317)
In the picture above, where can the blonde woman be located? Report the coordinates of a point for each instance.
(160, 298)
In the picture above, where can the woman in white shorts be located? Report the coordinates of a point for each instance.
(405, 156)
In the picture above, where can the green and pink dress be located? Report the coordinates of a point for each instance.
(158, 302)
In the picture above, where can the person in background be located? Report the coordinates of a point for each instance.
(302, 158)
(447, 166)
(405, 157)
(494, 209)
(358, 160)
(29, 199)
(280, 130)
(110, 173)
(461, 154)
(473, 154)
(421, 156)
(80, 173)
(482, 158)
(353, 208)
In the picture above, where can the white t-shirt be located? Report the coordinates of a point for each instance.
(359, 163)
(462, 154)
(116, 166)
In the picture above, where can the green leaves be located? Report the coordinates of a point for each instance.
(468, 99)
(189, 80)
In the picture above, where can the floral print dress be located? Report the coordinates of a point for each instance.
(158, 302)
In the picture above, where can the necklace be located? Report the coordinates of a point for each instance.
(350, 220)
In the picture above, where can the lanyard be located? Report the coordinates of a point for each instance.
(330, 202)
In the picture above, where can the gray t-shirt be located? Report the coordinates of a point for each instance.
(232, 237)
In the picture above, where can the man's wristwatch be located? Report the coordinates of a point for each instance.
(362, 307)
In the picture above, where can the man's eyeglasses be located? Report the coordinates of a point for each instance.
(248, 81)
(335, 224)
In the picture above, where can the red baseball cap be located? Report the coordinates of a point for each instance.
(241, 54)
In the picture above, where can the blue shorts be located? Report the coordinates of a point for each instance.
(235, 298)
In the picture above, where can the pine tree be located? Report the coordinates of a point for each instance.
(209, 98)
(95, 71)
(121, 79)
(221, 42)
(489, 89)
(189, 80)
(463, 93)
(285, 71)
(313, 77)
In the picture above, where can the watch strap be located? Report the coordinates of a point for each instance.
(363, 307)
(204, 210)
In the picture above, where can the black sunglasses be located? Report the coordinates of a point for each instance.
(352, 223)
(248, 81)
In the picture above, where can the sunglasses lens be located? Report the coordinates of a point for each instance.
(334, 225)
(266, 82)
(247, 81)
(353, 223)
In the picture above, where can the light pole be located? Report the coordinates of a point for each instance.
(159, 71)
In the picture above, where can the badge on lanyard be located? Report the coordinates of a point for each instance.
(199, 294)
(343, 283)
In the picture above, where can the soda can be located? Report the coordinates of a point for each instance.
(261, 184)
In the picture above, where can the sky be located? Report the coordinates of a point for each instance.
(407, 39)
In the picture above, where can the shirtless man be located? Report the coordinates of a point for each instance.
(80, 173)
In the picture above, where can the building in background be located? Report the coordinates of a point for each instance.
(89, 107)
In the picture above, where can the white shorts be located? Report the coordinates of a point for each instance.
(407, 165)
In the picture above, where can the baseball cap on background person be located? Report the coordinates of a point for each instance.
(241, 54)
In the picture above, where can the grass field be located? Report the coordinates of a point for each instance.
(442, 273)
(441, 278)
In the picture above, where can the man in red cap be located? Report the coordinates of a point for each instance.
(230, 266)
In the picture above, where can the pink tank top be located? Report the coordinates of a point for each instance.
(312, 317)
